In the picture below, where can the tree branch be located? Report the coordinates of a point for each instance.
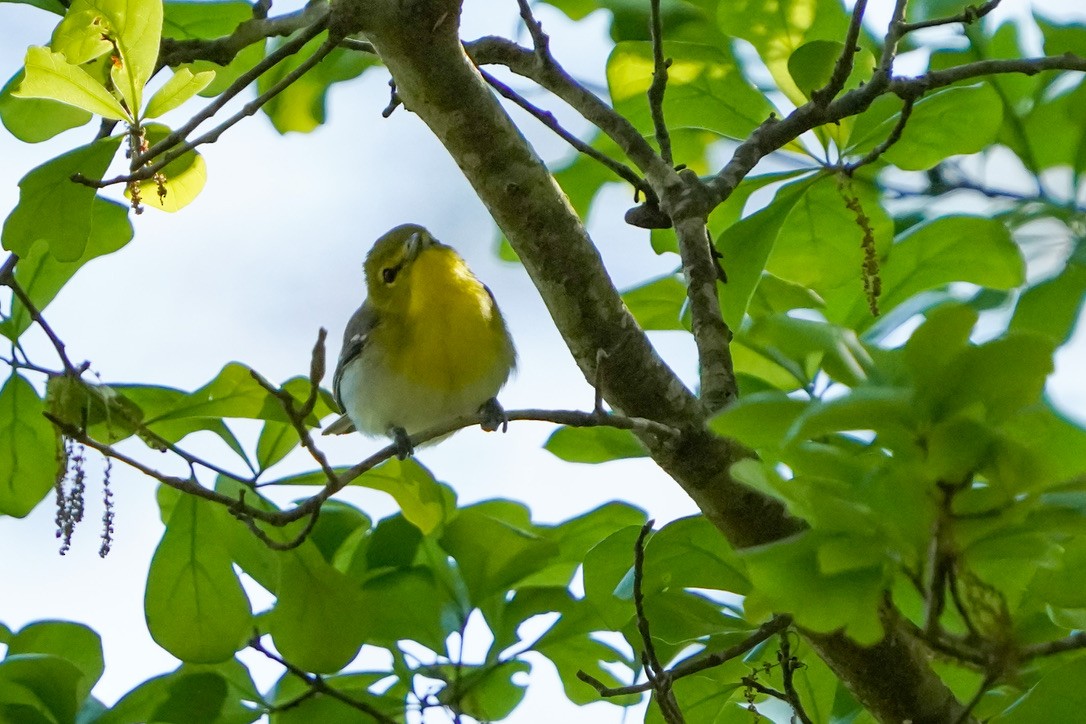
(7, 278)
(222, 51)
(547, 119)
(317, 684)
(774, 134)
(659, 83)
(843, 67)
(970, 15)
(693, 666)
(654, 670)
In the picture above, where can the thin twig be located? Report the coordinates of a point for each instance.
(654, 666)
(843, 67)
(272, 543)
(894, 137)
(789, 664)
(985, 685)
(547, 119)
(296, 415)
(597, 383)
(540, 41)
(1075, 641)
(970, 15)
(318, 684)
(659, 84)
(361, 46)
(894, 32)
(654, 670)
(692, 666)
(7, 278)
(751, 683)
(549, 75)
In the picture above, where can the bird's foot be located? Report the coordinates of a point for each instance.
(494, 416)
(402, 442)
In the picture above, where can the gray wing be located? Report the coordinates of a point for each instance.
(358, 329)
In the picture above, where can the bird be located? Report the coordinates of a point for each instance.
(428, 344)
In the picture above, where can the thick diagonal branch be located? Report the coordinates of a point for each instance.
(419, 44)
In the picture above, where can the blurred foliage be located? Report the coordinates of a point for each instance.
(875, 430)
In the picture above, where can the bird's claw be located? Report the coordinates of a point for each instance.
(493, 416)
(402, 442)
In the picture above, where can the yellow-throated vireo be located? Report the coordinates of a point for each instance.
(428, 344)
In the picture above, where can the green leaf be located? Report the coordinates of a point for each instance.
(576, 536)
(39, 688)
(746, 245)
(820, 244)
(181, 86)
(195, 606)
(33, 120)
(948, 122)
(774, 295)
(30, 458)
(408, 604)
(55, 209)
(777, 30)
(338, 521)
(71, 641)
(41, 276)
(232, 393)
(1004, 375)
(570, 647)
(320, 618)
(706, 89)
(658, 303)
(1059, 444)
(881, 409)
(207, 21)
(811, 65)
(594, 444)
(276, 441)
(606, 565)
(1059, 696)
(50, 76)
(419, 495)
(493, 554)
(946, 250)
(759, 420)
(1053, 306)
(487, 693)
(692, 553)
(786, 578)
(811, 346)
(192, 693)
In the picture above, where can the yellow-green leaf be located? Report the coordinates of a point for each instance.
(49, 75)
(178, 89)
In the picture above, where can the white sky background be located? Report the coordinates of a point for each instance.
(271, 251)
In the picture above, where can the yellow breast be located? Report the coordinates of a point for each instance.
(452, 335)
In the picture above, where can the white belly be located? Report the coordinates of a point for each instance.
(377, 400)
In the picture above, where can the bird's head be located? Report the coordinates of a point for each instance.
(388, 265)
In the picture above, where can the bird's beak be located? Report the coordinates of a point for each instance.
(414, 244)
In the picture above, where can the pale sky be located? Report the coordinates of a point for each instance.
(271, 251)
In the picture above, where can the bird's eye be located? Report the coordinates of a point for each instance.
(389, 274)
